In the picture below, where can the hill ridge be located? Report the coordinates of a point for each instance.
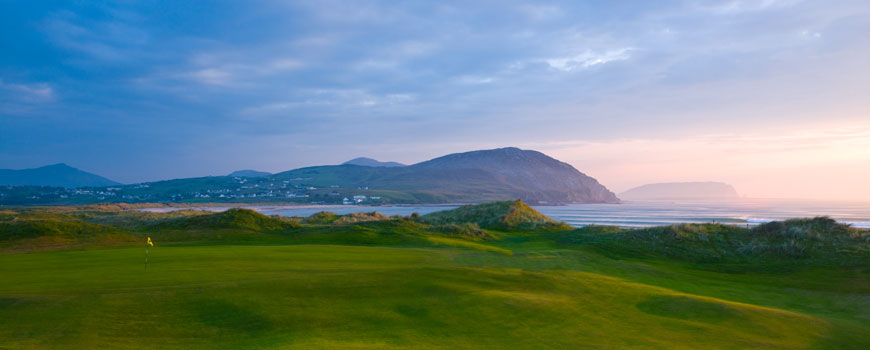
(681, 190)
(470, 177)
(55, 175)
(249, 173)
(365, 161)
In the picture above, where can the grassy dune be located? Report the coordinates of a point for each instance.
(240, 280)
(508, 215)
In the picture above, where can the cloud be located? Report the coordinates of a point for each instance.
(354, 12)
(428, 74)
(810, 34)
(541, 12)
(284, 64)
(743, 6)
(330, 103)
(588, 59)
(17, 98)
(112, 40)
(38, 92)
(226, 72)
(475, 80)
(212, 76)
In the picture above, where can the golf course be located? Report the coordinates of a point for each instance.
(492, 276)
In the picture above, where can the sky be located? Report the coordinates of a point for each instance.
(771, 96)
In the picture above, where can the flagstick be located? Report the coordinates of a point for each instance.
(146, 257)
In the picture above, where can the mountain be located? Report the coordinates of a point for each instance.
(363, 161)
(681, 190)
(531, 174)
(249, 173)
(57, 175)
(478, 176)
(503, 174)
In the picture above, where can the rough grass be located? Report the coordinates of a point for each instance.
(237, 218)
(321, 217)
(327, 218)
(361, 217)
(508, 215)
(42, 231)
(810, 241)
(465, 230)
(802, 238)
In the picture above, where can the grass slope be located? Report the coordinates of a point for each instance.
(36, 232)
(316, 297)
(796, 241)
(327, 218)
(506, 215)
(236, 218)
(491, 276)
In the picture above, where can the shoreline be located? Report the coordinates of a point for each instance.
(259, 207)
(630, 216)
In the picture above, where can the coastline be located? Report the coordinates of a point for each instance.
(629, 214)
(260, 207)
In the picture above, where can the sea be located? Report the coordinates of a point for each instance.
(743, 212)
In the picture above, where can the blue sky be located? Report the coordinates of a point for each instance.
(140, 91)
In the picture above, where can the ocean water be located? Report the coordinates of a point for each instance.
(749, 212)
(738, 212)
(347, 209)
(652, 213)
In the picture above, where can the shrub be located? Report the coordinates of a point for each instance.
(466, 230)
(321, 217)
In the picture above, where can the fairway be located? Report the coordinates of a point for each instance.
(351, 297)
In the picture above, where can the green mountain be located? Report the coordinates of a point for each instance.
(471, 177)
(478, 176)
(249, 173)
(57, 175)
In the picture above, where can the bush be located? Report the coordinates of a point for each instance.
(235, 218)
(321, 217)
(465, 230)
(361, 217)
(508, 215)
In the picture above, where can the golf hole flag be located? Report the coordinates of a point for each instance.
(148, 243)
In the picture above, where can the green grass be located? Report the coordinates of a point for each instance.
(325, 217)
(302, 296)
(242, 280)
(789, 244)
(452, 242)
(505, 215)
(236, 218)
(56, 231)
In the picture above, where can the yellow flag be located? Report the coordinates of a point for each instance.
(149, 242)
